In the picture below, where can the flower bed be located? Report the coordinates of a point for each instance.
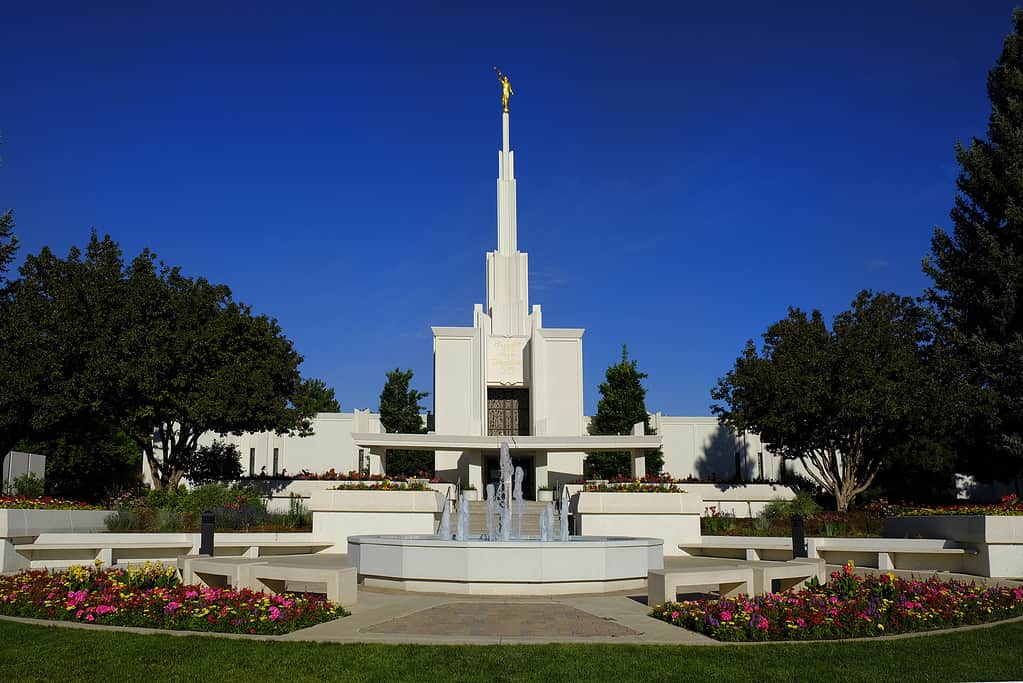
(848, 606)
(1010, 506)
(633, 487)
(151, 596)
(333, 475)
(856, 524)
(383, 485)
(44, 503)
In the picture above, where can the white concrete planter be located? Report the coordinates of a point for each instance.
(340, 514)
(998, 539)
(673, 517)
(471, 494)
(544, 496)
(20, 523)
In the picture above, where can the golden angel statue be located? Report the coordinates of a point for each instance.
(506, 90)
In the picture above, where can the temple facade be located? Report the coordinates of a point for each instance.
(508, 379)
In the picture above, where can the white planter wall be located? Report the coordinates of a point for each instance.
(673, 517)
(340, 514)
(998, 539)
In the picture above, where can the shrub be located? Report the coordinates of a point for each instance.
(123, 519)
(29, 486)
(216, 462)
(780, 509)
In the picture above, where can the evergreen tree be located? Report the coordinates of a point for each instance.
(400, 414)
(622, 405)
(316, 397)
(978, 273)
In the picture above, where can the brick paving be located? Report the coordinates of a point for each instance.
(503, 620)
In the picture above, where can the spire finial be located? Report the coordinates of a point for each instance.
(506, 90)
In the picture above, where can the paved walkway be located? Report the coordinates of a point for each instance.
(390, 616)
(429, 618)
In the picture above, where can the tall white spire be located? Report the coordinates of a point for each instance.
(507, 268)
(507, 238)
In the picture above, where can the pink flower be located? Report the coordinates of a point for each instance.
(89, 617)
(171, 606)
(760, 622)
(275, 614)
(675, 615)
(726, 615)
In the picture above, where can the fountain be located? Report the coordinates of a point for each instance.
(463, 519)
(503, 562)
(445, 522)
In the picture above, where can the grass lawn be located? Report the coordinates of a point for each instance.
(31, 652)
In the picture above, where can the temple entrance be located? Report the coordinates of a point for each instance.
(492, 473)
(507, 412)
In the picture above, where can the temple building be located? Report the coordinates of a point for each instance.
(507, 378)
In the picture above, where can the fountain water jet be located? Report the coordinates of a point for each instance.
(445, 522)
(462, 530)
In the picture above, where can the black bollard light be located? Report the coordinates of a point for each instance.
(206, 544)
(798, 537)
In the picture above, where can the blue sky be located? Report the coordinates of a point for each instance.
(686, 171)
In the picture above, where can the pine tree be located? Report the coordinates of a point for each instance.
(622, 405)
(978, 271)
(400, 414)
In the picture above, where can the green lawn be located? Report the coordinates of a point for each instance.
(51, 653)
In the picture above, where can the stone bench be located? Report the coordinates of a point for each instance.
(790, 575)
(752, 548)
(756, 548)
(109, 553)
(114, 552)
(217, 572)
(886, 549)
(274, 574)
(731, 579)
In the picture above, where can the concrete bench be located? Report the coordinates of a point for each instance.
(789, 575)
(109, 553)
(120, 551)
(273, 575)
(731, 579)
(217, 572)
(886, 549)
(752, 548)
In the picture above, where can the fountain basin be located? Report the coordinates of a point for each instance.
(583, 564)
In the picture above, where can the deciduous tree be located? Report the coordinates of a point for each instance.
(162, 356)
(840, 401)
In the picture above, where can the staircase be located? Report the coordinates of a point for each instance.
(531, 512)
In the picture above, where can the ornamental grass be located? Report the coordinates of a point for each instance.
(151, 596)
(848, 606)
(44, 503)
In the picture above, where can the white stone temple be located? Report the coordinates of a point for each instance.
(508, 378)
